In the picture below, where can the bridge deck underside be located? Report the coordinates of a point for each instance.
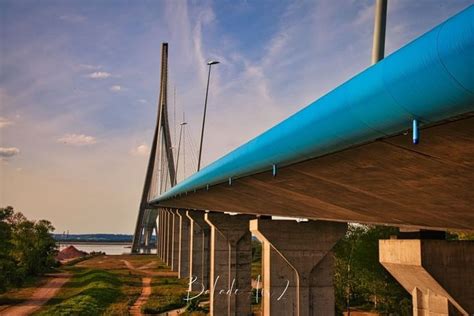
(389, 181)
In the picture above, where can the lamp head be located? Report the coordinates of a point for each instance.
(212, 62)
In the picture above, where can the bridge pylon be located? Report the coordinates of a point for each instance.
(161, 171)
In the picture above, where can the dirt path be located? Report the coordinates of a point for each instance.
(151, 273)
(39, 297)
(135, 310)
(149, 265)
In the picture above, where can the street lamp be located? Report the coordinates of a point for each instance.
(210, 63)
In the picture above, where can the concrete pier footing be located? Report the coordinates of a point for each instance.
(297, 266)
(439, 274)
(230, 264)
(199, 251)
(183, 246)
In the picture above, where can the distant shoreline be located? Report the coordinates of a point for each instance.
(92, 242)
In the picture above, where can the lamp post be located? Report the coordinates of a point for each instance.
(380, 24)
(210, 63)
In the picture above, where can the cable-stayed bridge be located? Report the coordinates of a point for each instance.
(393, 146)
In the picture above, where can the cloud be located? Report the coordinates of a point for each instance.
(74, 18)
(115, 88)
(77, 140)
(99, 75)
(4, 122)
(8, 152)
(89, 67)
(142, 101)
(141, 150)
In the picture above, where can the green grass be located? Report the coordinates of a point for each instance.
(167, 294)
(113, 288)
(89, 292)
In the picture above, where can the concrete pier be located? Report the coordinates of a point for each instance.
(161, 223)
(156, 234)
(184, 239)
(162, 234)
(439, 274)
(148, 233)
(230, 264)
(297, 266)
(167, 238)
(199, 251)
(175, 243)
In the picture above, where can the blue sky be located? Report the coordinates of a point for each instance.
(79, 83)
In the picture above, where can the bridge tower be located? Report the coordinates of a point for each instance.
(161, 171)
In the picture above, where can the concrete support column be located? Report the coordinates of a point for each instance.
(158, 232)
(169, 236)
(148, 237)
(439, 274)
(175, 243)
(230, 264)
(166, 236)
(184, 241)
(161, 234)
(145, 237)
(142, 239)
(297, 266)
(148, 232)
(155, 227)
(199, 251)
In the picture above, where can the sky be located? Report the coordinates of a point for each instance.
(79, 86)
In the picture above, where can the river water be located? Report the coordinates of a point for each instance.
(108, 248)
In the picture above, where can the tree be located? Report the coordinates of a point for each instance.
(460, 236)
(360, 280)
(45, 244)
(5, 231)
(26, 247)
(35, 248)
(7, 265)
